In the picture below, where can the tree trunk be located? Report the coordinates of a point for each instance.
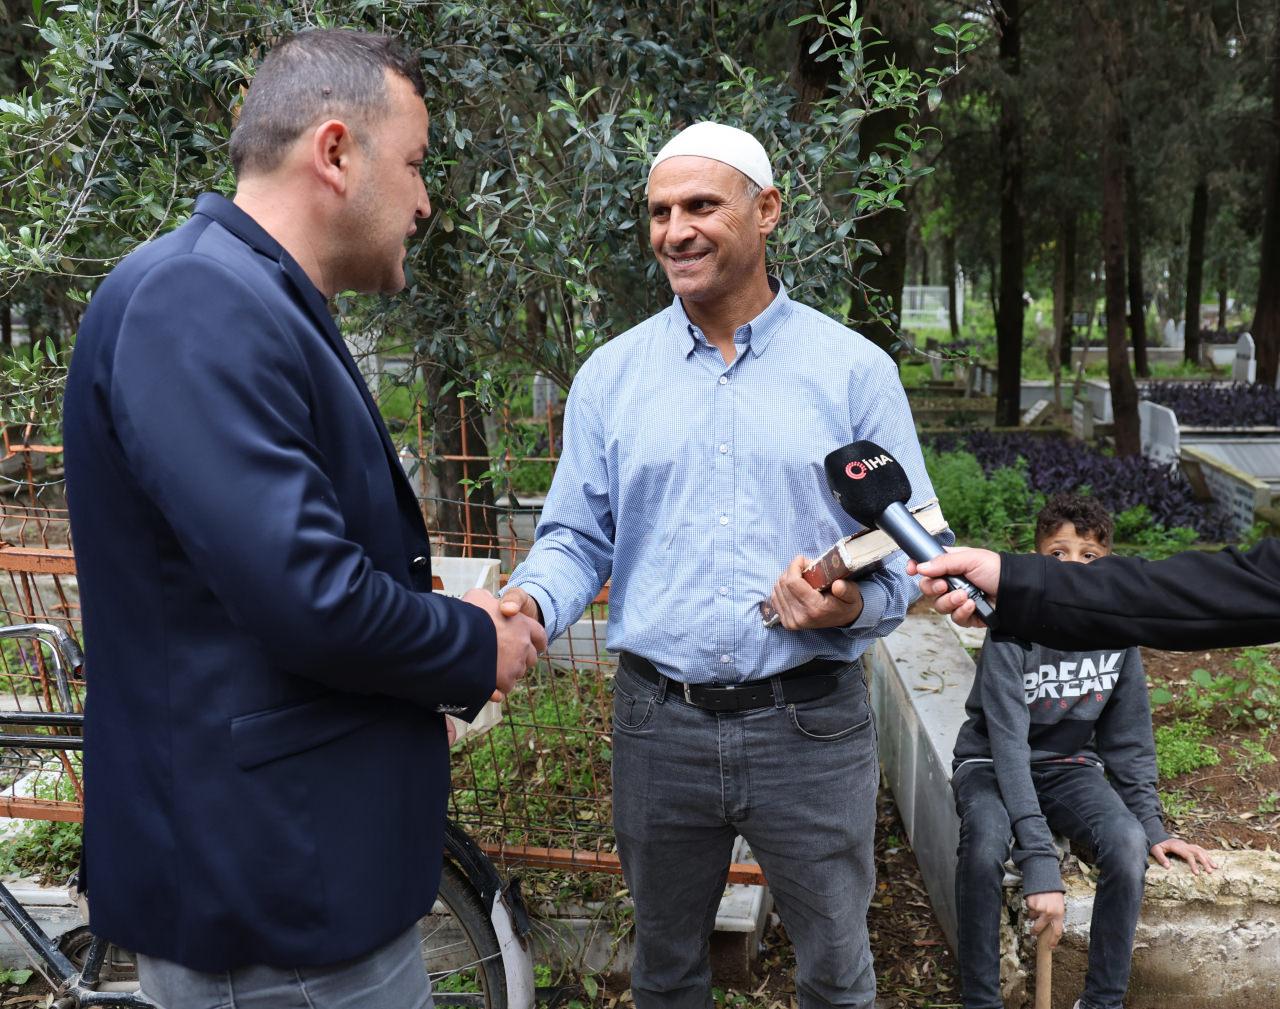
(1195, 269)
(950, 266)
(1222, 297)
(924, 264)
(1266, 318)
(1064, 290)
(1124, 393)
(1009, 318)
(468, 524)
(6, 325)
(1137, 308)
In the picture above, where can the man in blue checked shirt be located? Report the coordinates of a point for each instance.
(692, 474)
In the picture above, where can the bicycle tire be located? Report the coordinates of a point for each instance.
(460, 947)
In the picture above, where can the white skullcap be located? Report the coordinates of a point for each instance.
(727, 144)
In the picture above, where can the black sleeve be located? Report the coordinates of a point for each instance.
(1127, 747)
(1189, 601)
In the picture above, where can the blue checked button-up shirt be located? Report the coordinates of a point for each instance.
(694, 483)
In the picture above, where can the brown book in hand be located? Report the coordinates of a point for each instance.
(858, 556)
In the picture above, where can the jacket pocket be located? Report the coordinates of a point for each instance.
(263, 736)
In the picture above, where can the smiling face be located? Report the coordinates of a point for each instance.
(1066, 544)
(389, 195)
(706, 229)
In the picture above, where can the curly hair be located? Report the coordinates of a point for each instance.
(1085, 513)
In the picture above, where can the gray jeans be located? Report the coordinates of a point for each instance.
(798, 781)
(392, 977)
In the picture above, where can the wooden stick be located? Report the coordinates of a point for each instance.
(1044, 971)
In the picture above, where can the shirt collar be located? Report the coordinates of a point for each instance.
(756, 335)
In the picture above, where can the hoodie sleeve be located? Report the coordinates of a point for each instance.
(1127, 748)
(1000, 669)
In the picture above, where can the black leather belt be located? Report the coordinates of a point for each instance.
(807, 682)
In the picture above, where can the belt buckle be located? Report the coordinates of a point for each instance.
(688, 693)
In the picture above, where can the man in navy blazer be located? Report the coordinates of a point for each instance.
(265, 756)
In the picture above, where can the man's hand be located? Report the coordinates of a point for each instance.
(1045, 911)
(979, 567)
(516, 600)
(520, 639)
(802, 607)
(1192, 854)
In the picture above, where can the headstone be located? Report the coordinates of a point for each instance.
(546, 395)
(988, 382)
(1038, 411)
(1174, 334)
(1082, 419)
(1244, 368)
(934, 354)
(1158, 432)
(1099, 393)
(1079, 319)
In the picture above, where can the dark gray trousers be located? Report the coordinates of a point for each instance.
(392, 977)
(798, 782)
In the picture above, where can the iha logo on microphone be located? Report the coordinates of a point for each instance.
(859, 468)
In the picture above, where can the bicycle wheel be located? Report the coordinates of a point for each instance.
(460, 947)
(119, 967)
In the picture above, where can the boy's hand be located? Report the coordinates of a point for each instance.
(1192, 854)
(1046, 911)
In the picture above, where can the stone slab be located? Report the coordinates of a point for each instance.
(920, 676)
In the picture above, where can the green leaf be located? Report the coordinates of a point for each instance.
(590, 986)
(1161, 695)
(1203, 678)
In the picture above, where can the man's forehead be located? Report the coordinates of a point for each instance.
(681, 176)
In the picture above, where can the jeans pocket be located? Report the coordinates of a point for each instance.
(630, 713)
(838, 715)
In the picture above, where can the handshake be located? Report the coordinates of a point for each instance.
(521, 636)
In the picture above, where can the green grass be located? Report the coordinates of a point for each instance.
(1181, 748)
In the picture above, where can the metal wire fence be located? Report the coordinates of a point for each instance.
(534, 789)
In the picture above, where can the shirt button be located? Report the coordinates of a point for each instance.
(724, 520)
(723, 449)
(724, 590)
(724, 658)
(724, 379)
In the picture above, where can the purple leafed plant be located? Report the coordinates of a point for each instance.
(1203, 404)
(1119, 483)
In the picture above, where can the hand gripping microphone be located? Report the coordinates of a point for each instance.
(873, 488)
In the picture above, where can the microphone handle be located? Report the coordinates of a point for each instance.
(920, 546)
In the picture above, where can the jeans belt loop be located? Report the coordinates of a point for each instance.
(663, 683)
(688, 693)
(779, 701)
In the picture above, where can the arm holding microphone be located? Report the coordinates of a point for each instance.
(1189, 601)
(874, 604)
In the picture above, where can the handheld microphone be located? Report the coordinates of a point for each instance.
(873, 488)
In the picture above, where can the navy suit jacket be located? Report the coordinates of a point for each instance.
(265, 761)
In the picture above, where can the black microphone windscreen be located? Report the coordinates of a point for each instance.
(866, 480)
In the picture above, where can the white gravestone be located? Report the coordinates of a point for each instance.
(1158, 432)
(1082, 419)
(1245, 367)
(1175, 334)
(546, 395)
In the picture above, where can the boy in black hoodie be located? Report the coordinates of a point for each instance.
(1058, 741)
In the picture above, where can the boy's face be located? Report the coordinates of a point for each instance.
(1066, 544)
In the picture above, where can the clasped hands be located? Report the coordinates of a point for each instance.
(521, 638)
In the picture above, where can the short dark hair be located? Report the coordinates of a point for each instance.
(308, 77)
(1083, 512)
